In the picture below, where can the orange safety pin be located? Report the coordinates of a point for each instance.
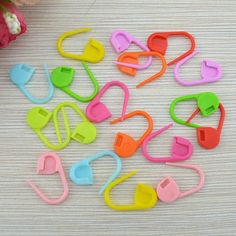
(128, 58)
(125, 145)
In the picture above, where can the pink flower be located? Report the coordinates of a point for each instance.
(9, 21)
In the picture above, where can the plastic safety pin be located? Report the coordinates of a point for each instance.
(145, 196)
(21, 74)
(158, 42)
(125, 145)
(49, 163)
(181, 149)
(207, 102)
(209, 137)
(93, 51)
(168, 190)
(121, 40)
(63, 76)
(39, 117)
(81, 172)
(85, 132)
(97, 111)
(210, 71)
(132, 57)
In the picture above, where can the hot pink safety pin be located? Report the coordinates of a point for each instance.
(168, 190)
(210, 71)
(97, 111)
(181, 150)
(121, 40)
(49, 163)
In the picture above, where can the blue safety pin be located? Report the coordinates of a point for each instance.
(81, 172)
(21, 74)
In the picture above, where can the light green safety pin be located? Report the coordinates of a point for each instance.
(207, 103)
(93, 51)
(39, 117)
(63, 76)
(85, 132)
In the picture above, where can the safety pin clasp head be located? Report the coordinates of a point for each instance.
(81, 173)
(210, 71)
(38, 117)
(62, 76)
(85, 132)
(120, 40)
(207, 103)
(97, 111)
(94, 51)
(182, 149)
(21, 74)
(125, 145)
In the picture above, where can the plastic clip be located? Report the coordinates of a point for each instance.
(97, 111)
(93, 51)
(125, 145)
(158, 42)
(21, 74)
(49, 163)
(181, 149)
(210, 71)
(121, 40)
(168, 190)
(131, 56)
(145, 196)
(81, 173)
(62, 77)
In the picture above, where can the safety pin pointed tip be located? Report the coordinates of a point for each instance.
(29, 182)
(139, 86)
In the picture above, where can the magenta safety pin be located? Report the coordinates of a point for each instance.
(121, 40)
(181, 150)
(97, 111)
(211, 71)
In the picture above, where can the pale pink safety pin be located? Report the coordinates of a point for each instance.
(97, 111)
(121, 40)
(168, 190)
(210, 71)
(181, 150)
(49, 163)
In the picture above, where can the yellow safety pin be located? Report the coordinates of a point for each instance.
(93, 51)
(144, 197)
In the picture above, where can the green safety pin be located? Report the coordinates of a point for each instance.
(85, 132)
(38, 118)
(207, 103)
(63, 76)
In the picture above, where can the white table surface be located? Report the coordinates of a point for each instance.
(212, 211)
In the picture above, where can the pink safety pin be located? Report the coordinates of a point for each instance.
(168, 190)
(210, 71)
(181, 150)
(49, 163)
(97, 111)
(121, 40)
